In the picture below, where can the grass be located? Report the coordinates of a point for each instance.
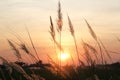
(90, 69)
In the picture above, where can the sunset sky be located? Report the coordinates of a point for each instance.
(102, 15)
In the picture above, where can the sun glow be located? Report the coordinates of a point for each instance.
(64, 56)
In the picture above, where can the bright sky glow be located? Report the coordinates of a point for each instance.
(103, 16)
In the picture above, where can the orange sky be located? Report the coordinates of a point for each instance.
(103, 15)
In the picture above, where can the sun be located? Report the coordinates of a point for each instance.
(64, 56)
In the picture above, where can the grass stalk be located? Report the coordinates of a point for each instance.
(60, 49)
(16, 51)
(32, 44)
(101, 52)
(22, 43)
(96, 39)
(73, 35)
(76, 49)
(106, 51)
(60, 24)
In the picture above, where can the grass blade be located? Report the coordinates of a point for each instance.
(32, 44)
(17, 53)
(91, 30)
(59, 21)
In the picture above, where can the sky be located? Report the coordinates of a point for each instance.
(102, 15)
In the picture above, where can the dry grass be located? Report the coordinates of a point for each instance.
(53, 70)
(16, 51)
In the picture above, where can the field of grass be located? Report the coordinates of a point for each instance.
(91, 68)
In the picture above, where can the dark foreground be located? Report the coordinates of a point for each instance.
(40, 71)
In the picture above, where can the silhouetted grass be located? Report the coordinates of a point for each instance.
(90, 69)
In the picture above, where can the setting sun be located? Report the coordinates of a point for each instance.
(63, 56)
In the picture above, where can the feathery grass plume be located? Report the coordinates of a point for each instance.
(60, 24)
(17, 53)
(87, 54)
(71, 26)
(91, 31)
(25, 49)
(52, 33)
(52, 30)
(20, 70)
(32, 44)
(59, 21)
(22, 45)
(72, 33)
(108, 54)
(91, 48)
(96, 39)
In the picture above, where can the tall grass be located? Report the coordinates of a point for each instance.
(32, 44)
(59, 26)
(22, 44)
(88, 50)
(40, 71)
(100, 44)
(73, 35)
(16, 51)
(96, 39)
